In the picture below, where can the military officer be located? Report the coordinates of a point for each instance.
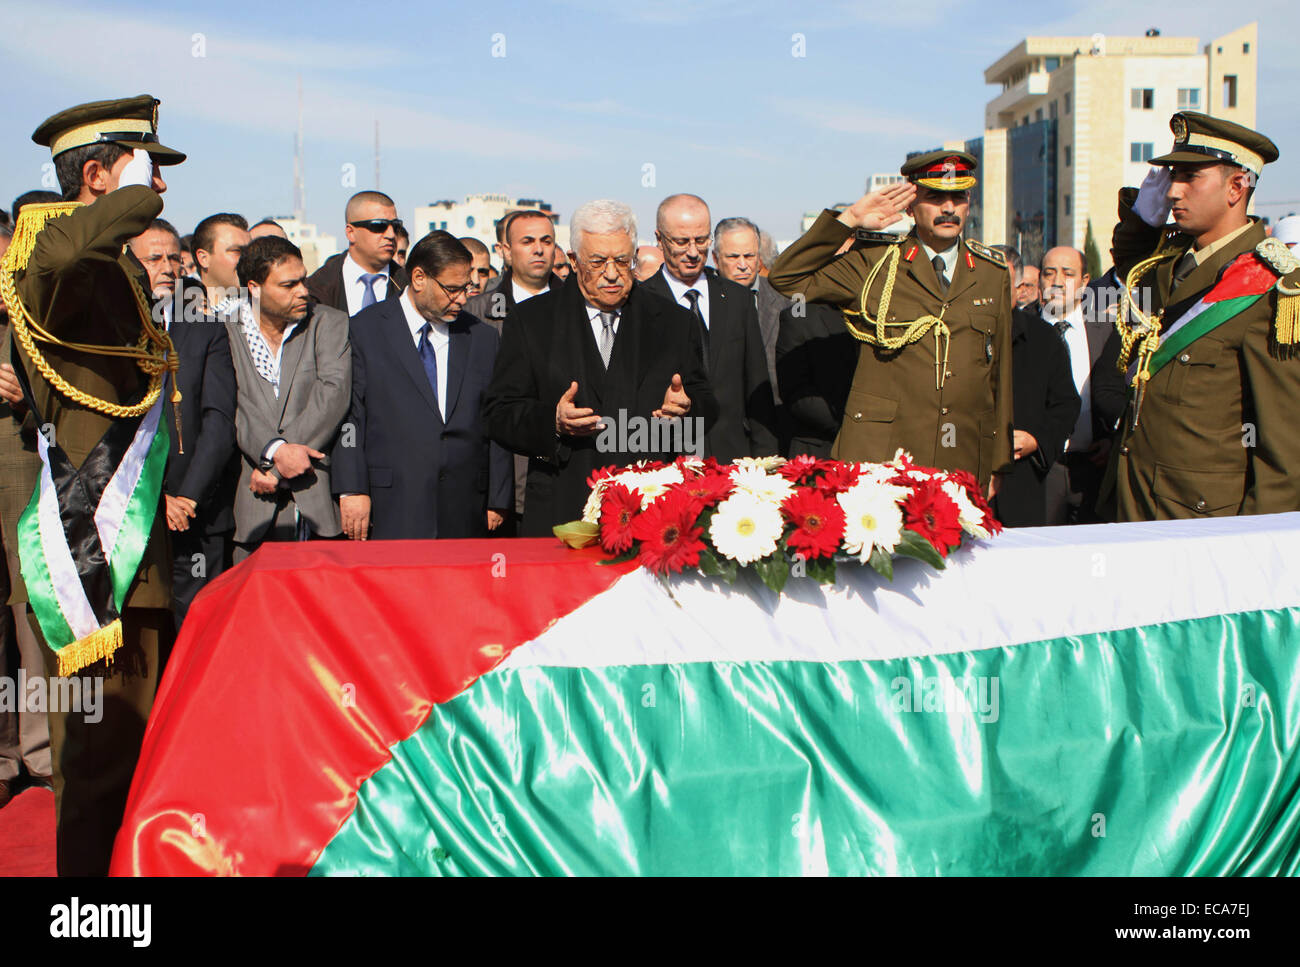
(932, 313)
(1209, 331)
(93, 369)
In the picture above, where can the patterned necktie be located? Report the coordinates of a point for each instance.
(937, 262)
(607, 320)
(693, 296)
(368, 297)
(430, 360)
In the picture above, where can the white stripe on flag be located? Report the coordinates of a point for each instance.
(1031, 584)
(58, 558)
(111, 511)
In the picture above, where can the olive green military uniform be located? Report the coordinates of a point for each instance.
(76, 285)
(1218, 429)
(896, 399)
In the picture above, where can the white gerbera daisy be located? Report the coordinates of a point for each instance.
(872, 518)
(766, 486)
(969, 516)
(649, 484)
(746, 528)
(766, 464)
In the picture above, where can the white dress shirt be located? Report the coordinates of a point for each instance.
(521, 295)
(355, 289)
(439, 339)
(680, 288)
(1076, 339)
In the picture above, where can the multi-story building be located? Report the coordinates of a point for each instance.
(477, 217)
(1078, 118)
(316, 248)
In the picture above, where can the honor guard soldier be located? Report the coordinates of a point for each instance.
(93, 367)
(1209, 325)
(932, 312)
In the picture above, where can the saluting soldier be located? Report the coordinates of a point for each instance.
(1209, 327)
(93, 368)
(932, 313)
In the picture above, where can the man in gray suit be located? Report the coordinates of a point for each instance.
(294, 366)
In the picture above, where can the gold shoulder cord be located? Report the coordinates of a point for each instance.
(906, 333)
(154, 353)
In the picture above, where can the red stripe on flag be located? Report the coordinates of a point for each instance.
(1247, 275)
(299, 669)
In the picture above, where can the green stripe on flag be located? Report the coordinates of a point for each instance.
(1211, 318)
(137, 524)
(1164, 750)
(43, 602)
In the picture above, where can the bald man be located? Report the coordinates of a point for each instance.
(728, 322)
(365, 273)
(1074, 480)
(649, 260)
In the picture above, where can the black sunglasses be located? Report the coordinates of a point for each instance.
(378, 225)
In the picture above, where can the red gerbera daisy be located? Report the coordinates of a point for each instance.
(599, 474)
(933, 514)
(797, 469)
(837, 478)
(818, 523)
(670, 541)
(976, 495)
(706, 490)
(619, 507)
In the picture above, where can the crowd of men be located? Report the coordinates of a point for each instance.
(413, 391)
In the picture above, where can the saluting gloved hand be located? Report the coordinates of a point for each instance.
(138, 171)
(1153, 204)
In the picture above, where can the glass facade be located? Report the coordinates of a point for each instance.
(1032, 178)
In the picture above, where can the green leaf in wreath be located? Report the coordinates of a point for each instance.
(882, 563)
(914, 545)
(773, 571)
(821, 570)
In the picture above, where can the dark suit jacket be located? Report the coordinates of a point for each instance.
(326, 283)
(815, 360)
(770, 306)
(1106, 383)
(1046, 406)
(427, 476)
(494, 304)
(208, 470)
(737, 368)
(547, 343)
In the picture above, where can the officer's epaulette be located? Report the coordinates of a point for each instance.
(1286, 318)
(984, 252)
(864, 237)
(1172, 239)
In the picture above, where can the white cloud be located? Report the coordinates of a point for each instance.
(847, 118)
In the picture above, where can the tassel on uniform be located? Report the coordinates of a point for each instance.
(97, 646)
(1286, 322)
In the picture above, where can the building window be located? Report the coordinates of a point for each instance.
(1067, 102)
(1229, 90)
(1142, 98)
(1189, 98)
(1245, 48)
(1038, 115)
(1220, 50)
(1052, 63)
(1069, 155)
(1067, 204)
(433, 227)
(469, 221)
(1025, 119)
(1141, 151)
(1051, 110)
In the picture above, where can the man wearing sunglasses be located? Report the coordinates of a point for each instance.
(367, 272)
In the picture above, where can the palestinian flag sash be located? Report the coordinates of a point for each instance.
(1246, 281)
(84, 532)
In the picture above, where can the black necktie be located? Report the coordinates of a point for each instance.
(693, 296)
(1183, 269)
(937, 262)
(1061, 327)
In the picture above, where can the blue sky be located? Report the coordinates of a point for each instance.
(587, 94)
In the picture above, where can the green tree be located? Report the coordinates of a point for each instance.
(1090, 253)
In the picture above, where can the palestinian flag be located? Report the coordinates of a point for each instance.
(1124, 701)
(1246, 280)
(84, 532)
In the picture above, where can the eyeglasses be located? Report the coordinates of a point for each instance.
(378, 225)
(455, 292)
(684, 243)
(597, 263)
